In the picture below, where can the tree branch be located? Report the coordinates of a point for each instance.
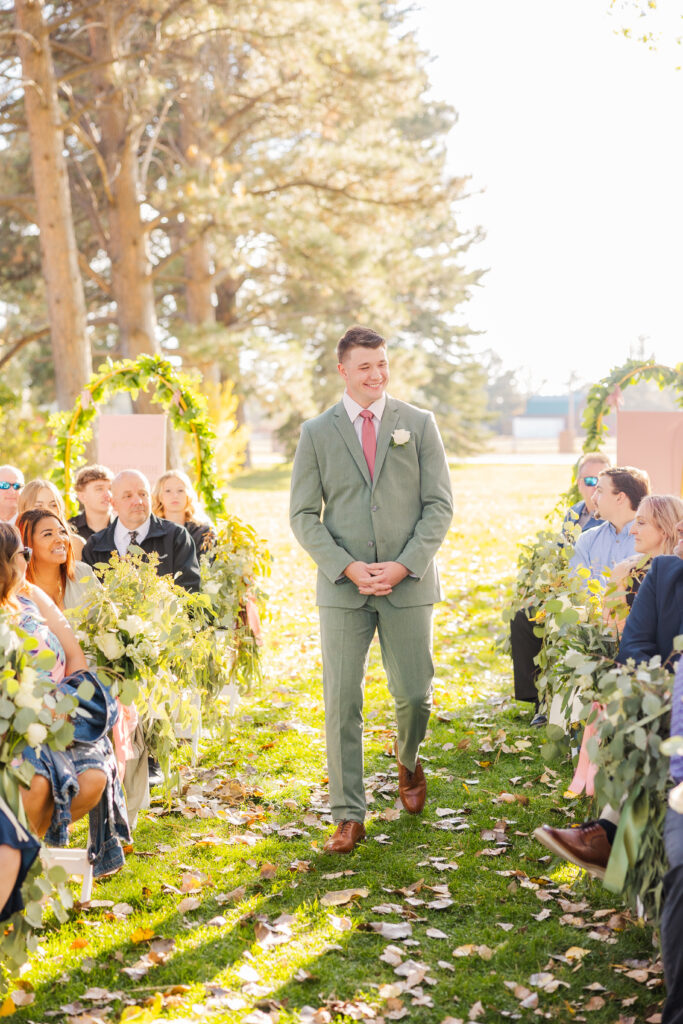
(26, 340)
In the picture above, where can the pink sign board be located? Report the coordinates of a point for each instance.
(133, 442)
(653, 441)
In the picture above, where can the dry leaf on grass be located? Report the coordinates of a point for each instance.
(339, 897)
(391, 931)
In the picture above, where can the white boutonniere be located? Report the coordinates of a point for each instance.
(400, 437)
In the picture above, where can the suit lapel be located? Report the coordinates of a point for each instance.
(345, 428)
(386, 429)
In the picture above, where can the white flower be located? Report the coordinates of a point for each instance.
(25, 696)
(110, 645)
(676, 798)
(36, 734)
(400, 437)
(133, 625)
(28, 676)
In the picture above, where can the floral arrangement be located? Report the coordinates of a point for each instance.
(231, 573)
(32, 713)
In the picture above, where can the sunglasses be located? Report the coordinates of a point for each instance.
(26, 552)
(5, 486)
(591, 481)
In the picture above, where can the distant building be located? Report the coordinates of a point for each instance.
(545, 416)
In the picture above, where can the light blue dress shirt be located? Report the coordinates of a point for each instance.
(601, 548)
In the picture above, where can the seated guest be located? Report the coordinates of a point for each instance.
(134, 525)
(93, 490)
(525, 645)
(11, 482)
(18, 850)
(67, 784)
(174, 498)
(618, 493)
(583, 512)
(655, 531)
(53, 566)
(43, 494)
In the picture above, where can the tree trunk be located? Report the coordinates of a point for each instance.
(59, 256)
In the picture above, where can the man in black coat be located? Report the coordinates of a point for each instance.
(134, 524)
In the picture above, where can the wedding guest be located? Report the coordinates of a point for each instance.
(618, 493)
(42, 494)
(583, 513)
(135, 525)
(18, 850)
(11, 483)
(71, 783)
(174, 498)
(93, 490)
(53, 566)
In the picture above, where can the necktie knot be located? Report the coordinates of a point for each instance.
(366, 414)
(132, 537)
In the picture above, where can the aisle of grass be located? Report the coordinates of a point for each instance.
(232, 877)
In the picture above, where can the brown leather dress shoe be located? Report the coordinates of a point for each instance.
(346, 835)
(412, 786)
(586, 846)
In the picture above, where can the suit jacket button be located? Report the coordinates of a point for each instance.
(374, 508)
(371, 543)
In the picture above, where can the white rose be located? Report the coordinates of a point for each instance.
(133, 625)
(400, 437)
(110, 645)
(28, 676)
(36, 734)
(26, 698)
(676, 798)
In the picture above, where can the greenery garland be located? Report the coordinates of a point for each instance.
(174, 391)
(606, 395)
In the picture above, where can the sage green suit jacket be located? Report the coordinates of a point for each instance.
(339, 515)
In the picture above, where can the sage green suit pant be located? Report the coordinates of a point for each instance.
(405, 637)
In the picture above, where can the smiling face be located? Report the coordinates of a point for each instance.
(50, 542)
(173, 496)
(9, 496)
(130, 499)
(366, 373)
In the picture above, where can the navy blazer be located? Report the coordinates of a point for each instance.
(656, 617)
(172, 543)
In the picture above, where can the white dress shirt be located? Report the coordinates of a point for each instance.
(354, 411)
(122, 535)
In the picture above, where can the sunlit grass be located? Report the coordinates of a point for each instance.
(276, 750)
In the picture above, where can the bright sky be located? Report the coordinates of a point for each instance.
(575, 136)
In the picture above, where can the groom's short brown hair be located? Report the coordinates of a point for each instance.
(358, 336)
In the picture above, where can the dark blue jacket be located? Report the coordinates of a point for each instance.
(656, 617)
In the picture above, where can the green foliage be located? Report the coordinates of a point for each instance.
(175, 392)
(23, 429)
(32, 713)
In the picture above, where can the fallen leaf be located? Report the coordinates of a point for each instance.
(268, 871)
(392, 931)
(595, 1003)
(339, 897)
(476, 1011)
(189, 903)
(342, 924)
(79, 944)
(141, 935)
(434, 933)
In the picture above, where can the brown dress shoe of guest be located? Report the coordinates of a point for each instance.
(412, 786)
(586, 846)
(346, 835)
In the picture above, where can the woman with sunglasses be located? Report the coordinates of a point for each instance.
(67, 784)
(42, 494)
(52, 565)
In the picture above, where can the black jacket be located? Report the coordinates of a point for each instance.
(80, 525)
(172, 543)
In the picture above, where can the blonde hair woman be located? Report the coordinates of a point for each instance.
(174, 498)
(43, 494)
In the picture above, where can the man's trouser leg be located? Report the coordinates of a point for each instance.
(671, 930)
(405, 636)
(524, 647)
(346, 635)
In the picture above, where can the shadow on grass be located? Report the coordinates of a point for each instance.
(274, 478)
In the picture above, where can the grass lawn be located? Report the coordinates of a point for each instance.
(224, 912)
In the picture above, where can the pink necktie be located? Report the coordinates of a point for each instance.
(369, 440)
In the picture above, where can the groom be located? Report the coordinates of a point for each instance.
(371, 503)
